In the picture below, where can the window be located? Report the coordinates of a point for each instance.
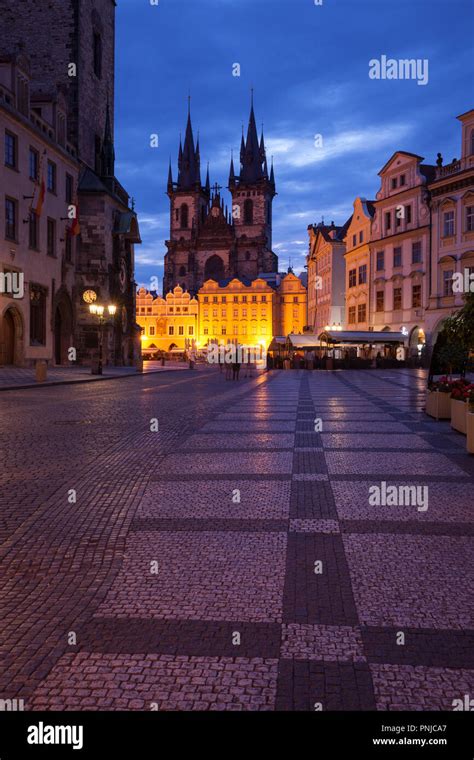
(416, 296)
(171, 308)
(470, 219)
(352, 278)
(244, 329)
(388, 220)
(361, 312)
(214, 299)
(206, 312)
(362, 274)
(171, 330)
(448, 224)
(68, 248)
(295, 299)
(393, 183)
(224, 299)
(244, 312)
(223, 313)
(402, 180)
(34, 164)
(397, 299)
(10, 219)
(206, 299)
(397, 256)
(180, 330)
(97, 54)
(361, 236)
(416, 252)
(352, 315)
(10, 150)
(264, 299)
(448, 282)
(152, 330)
(33, 230)
(182, 271)
(51, 183)
(380, 259)
(184, 215)
(214, 312)
(244, 299)
(235, 313)
(37, 315)
(235, 299)
(408, 214)
(379, 302)
(51, 237)
(69, 188)
(190, 330)
(254, 299)
(248, 211)
(223, 330)
(206, 331)
(354, 239)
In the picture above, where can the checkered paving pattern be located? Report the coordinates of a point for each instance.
(235, 561)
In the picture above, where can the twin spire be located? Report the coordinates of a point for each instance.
(253, 160)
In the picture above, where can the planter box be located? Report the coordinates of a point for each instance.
(438, 405)
(470, 432)
(459, 415)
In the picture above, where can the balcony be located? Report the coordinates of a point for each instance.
(455, 167)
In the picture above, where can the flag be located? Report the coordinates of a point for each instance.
(75, 227)
(40, 201)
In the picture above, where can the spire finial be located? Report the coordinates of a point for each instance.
(251, 96)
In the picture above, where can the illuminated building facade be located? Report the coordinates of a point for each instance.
(167, 323)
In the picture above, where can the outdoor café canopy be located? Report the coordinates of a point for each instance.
(360, 336)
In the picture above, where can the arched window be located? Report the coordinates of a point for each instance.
(248, 211)
(182, 271)
(184, 215)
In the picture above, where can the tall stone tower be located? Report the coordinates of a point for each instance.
(252, 197)
(208, 241)
(70, 45)
(62, 32)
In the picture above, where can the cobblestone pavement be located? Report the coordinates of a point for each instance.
(233, 559)
(12, 378)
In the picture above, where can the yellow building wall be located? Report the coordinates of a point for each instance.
(167, 322)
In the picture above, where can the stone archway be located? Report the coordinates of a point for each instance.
(11, 337)
(214, 268)
(62, 329)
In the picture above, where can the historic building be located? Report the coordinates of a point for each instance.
(357, 256)
(326, 276)
(452, 238)
(169, 322)
(400, 248)
(290, 305)
(236, 311)
(208, 240)
(70, 47)
(38, 180)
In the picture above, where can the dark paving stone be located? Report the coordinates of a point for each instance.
(209, 524)
(312, 499)
(309, 462)
(433, 648)
(306, 440)
(179, 637)
(324, 598)
(412, 527)
(334, 685)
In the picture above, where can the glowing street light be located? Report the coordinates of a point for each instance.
(98, 310)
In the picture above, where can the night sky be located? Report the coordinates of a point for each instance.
(309, 68)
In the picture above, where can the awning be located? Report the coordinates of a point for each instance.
(360, 336)
(308, 340)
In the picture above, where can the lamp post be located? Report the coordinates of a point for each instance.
(98, 311)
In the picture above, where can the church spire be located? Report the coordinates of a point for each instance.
(170, 178)
(208, 183)
(251, 152)
(231, 172)
(188, 160)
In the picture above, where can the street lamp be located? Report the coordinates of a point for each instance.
(98, 311)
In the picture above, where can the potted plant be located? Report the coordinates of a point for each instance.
(438, 401)
(459, 405)
(470, 420)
